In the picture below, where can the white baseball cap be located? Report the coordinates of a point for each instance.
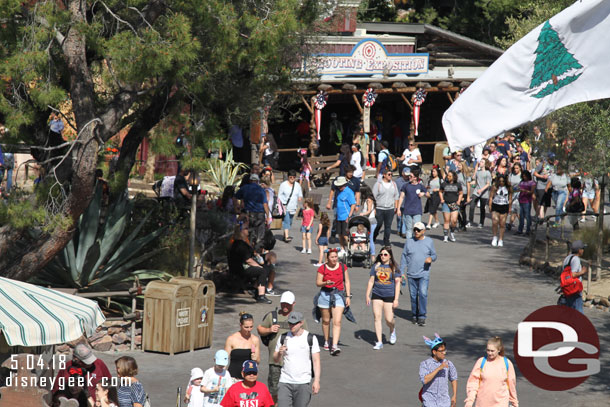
(287, 297)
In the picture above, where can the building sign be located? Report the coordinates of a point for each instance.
(183, 317)
(368, 57)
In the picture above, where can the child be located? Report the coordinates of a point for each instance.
(194, 396)
(323, 236)
(435, 374)
(106, 396)
(214, 382)
(359, 238)
(308, 216)
(305, 168)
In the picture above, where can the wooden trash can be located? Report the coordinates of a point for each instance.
(438, 155)
(167, 317)
(202, 316)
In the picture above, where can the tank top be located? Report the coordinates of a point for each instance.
(501, 196)
(324, 231)
(238, 357)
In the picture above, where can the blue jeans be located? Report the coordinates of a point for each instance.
(575, 301)
(559, 197)
(371, 240)
(418, 289)
(525, 213)
(400, 226)
(9, 179)
(407, 224)
(287, 221)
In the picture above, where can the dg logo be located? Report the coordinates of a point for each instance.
(557, 348)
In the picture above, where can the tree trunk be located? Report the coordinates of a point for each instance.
(600, 230)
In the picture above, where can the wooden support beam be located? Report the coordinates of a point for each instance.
(450, 98)
(410, 89)
(307, 104)
(358, 104)
(406, 101)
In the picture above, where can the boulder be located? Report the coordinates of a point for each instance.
(96, 336)
(138, 340)
(115, 330)
(120, 338)
(63, 348)
(122, 348)
(604, 301)
(104, 344)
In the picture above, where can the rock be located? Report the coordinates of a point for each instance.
(138, 331)
(121, 324)
(115, 330)
(119, 338)
(600, 307)
(138, 340)
(104, 344)
(589, 297)
(122, 348)
(604, 301)
(63, 348)
(96, 336)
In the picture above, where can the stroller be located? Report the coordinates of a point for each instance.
(359, 254)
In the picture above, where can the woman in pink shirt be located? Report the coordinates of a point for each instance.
(492, 381)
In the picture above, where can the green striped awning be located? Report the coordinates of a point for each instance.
(31, 315)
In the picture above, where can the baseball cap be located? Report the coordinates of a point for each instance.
(84, 353)
(249, 366)
(295, 317)
(287, 297)
(577, 245)
(254, 177)
(340, 181)
(406, 170)
(419, 225)
(221, 358)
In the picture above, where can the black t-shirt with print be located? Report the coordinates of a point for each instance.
(451, 191)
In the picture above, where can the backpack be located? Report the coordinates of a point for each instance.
(268, 240)
(569, 284)
(575, 204)
(309, 342)
(392, 162)
(483, 364)
(267, 338)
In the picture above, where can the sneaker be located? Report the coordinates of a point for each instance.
(326, 346)
(378, 345)
(428, 227)
(468, 225)
(593, 217)
(500, 243)
(494, 241)
(272, 293)
(435, 225)
(451, 237)
(393, 337)
(318, 264)
(480, 226)
(304, 251)
(414, 320)
(261, 299)
(509, 226)
(335, 351)
(446, 239)
(583, 220)
(308, 251)
(421, 322)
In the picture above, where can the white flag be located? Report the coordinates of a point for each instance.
(563, 61)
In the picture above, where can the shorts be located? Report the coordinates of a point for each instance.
(384, 299)
(305, 229)
(501, 209)
(323, 241)
(589, 195)
(287, 221)
(446, 209)
(342, 228)
(543, 198)
(273, 379)
(324, 300)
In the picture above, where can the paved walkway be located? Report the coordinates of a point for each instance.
(476, 291)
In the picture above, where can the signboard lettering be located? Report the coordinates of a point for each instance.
(183, 317)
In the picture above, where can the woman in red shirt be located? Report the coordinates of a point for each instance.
(335, 295)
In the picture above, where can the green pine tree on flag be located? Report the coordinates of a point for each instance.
(552, 61)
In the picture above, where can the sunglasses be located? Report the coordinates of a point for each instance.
(417, 230)
(384, 254)
(250, 373)
(245, 317)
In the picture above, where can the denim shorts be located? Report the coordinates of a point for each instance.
(287, 221)
(304, 229)
(446, 209)
(323, 241)
(324, 300)
(589, 195)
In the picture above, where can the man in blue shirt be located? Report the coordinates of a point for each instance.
(417, 256)
(409, 203)
(255, 205)
(435, 374)
(346, 205)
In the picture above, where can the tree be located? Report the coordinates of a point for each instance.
(197, 65)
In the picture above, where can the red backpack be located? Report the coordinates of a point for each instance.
(569, 284)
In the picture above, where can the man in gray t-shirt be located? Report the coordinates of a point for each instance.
(578, 270)
(480, 193)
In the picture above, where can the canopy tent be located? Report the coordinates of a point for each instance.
(31, 315)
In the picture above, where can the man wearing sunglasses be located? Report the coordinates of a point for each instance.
(417, 256)
(249, 392)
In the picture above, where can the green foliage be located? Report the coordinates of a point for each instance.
(224, 173)
(99, 256)
(589, 236)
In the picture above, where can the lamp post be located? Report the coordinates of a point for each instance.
(194, 184)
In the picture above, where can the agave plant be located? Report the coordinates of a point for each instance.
(98, 257)
(224, 173)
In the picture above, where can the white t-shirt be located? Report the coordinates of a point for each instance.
(297, 360)
(355, 161)
(408, 154)
(210, 380)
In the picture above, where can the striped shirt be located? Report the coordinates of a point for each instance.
(131, 394)
(436, 392)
